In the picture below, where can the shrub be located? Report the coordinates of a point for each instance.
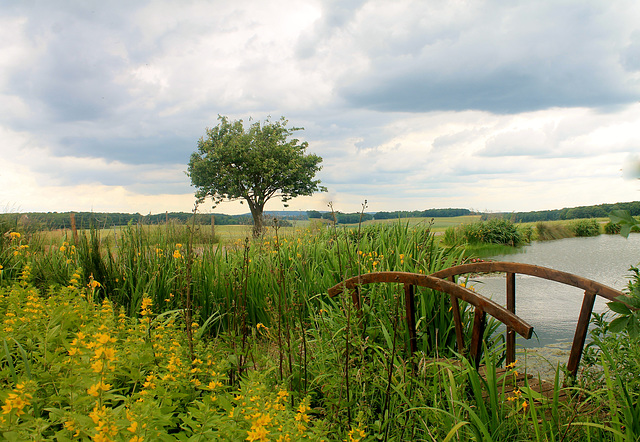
(546, 231)
(493, 231)
(586, 227)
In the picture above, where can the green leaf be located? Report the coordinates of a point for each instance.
(619, 324)
(619, 307)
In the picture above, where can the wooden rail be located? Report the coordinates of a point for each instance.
(442, 281)
(591, 290)
(483, 306)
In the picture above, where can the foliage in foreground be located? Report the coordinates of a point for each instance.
(98, 375)
(76, 370)
(345, 374)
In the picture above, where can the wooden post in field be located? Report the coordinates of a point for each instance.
(166, 217)
(73, 228)
(213, 227)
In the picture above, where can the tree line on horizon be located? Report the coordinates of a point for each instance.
(85, 220)
(596, 211)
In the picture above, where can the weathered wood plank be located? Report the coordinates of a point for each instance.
(487, 305)
(533, 270)
(580, 336)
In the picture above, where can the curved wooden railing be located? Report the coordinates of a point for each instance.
(410, 280)
(442, 281)
(591, 290)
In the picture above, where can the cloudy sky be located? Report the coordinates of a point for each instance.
(488, 105)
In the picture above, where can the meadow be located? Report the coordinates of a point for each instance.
(174, 333)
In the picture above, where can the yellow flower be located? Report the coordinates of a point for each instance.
(356, 434)
(261, 420)
(259, 434)
(14, 235)
(177, 254)
(94, 390)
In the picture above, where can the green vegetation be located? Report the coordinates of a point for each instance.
(159, 333)
(598, 211)
(429, 213)
(585, 227)
(494, 231)
(547, 231)
(626, 221)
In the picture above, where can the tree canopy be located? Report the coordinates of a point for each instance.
(253, 164)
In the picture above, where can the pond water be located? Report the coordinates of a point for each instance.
(553, 308)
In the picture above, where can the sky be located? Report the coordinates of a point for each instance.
(485, 105)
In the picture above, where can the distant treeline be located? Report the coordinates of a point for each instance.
(598, 211)
(353, 218)
(85, 220)
(429, 213)
(341, 218)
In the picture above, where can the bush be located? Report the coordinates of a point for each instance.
(586, 227)
(612, 228)
(494, 231)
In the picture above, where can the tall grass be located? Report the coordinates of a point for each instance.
(264, 304)
(493, 231)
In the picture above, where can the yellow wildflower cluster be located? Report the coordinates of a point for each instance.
(356, 434)
(25, 275)
(176, 252)
(517, 397)
(371, 258)
(113, 374)
(75, 278)
(105, 424)
(104, 355)
(93, 284)
(145, 308)
(267, 413)
(17, 400)
(68, 250)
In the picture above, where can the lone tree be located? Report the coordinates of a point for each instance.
(254, 165)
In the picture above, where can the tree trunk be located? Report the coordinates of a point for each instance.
(256, 212)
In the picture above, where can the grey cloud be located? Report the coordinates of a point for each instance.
(158, 149)
(630, 57)
(511, 58)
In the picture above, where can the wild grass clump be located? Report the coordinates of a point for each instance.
(493, 231)
(548, 231)
(585, 227)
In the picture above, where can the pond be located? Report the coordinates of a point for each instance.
(553, 308)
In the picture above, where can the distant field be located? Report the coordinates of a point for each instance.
(439, 224)
(231, 233)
